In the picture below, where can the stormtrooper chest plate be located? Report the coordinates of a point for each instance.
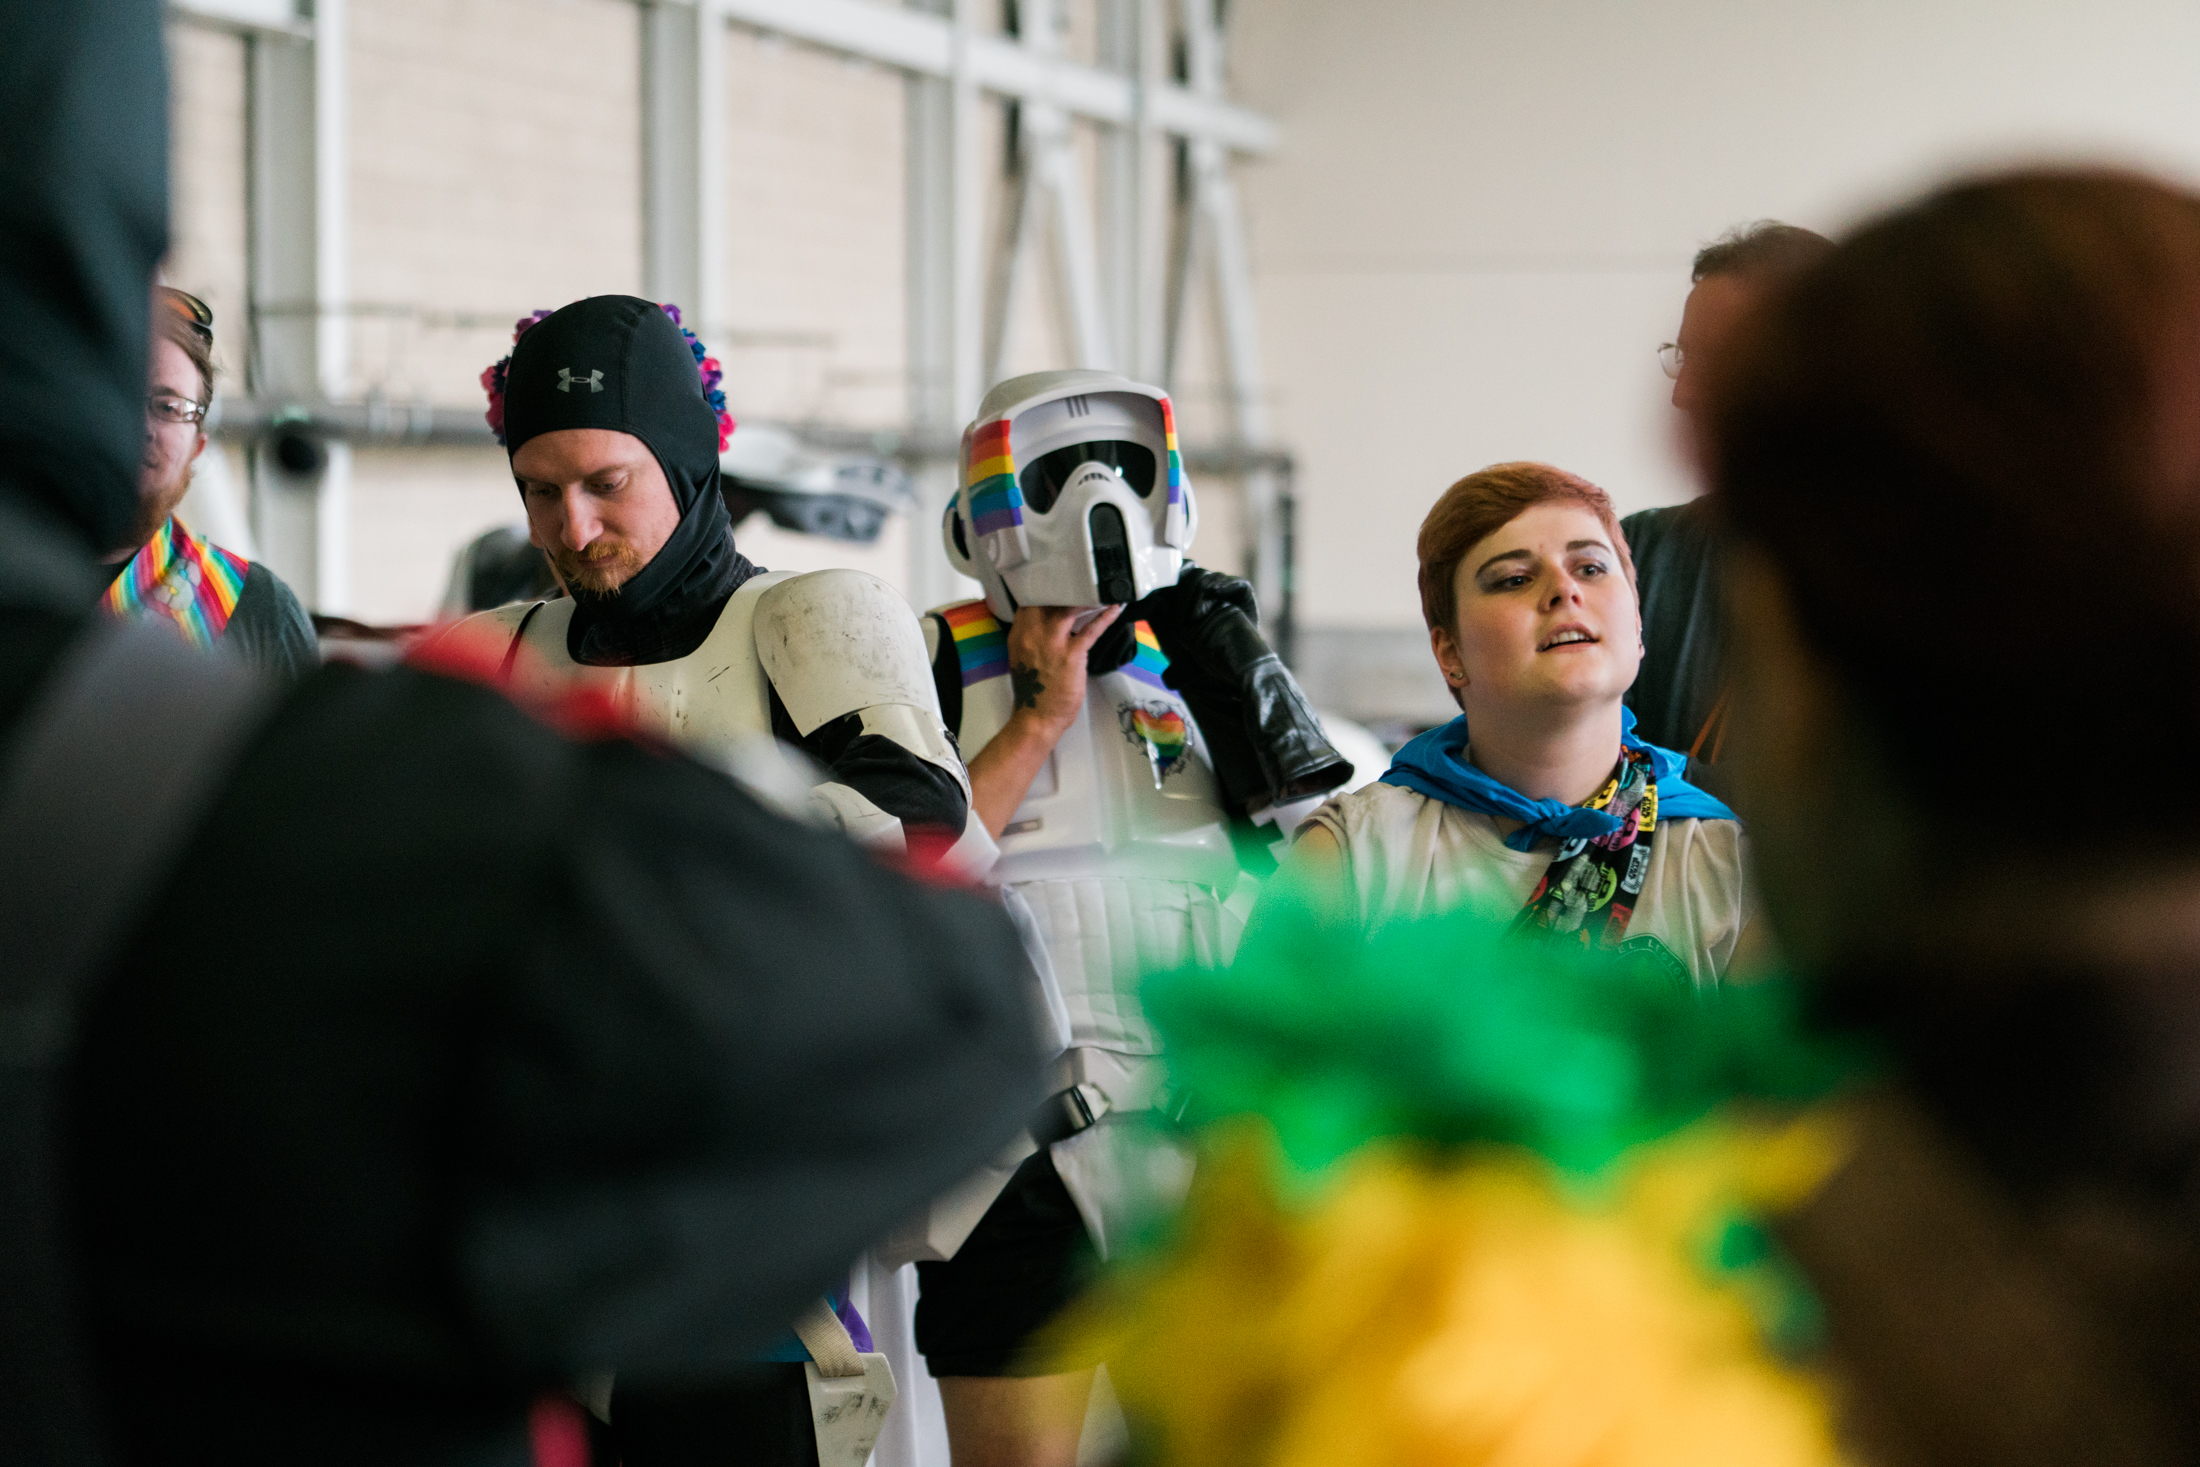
(1128, 791)
(706, 703)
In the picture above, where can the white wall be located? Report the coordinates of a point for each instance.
(1480, 223)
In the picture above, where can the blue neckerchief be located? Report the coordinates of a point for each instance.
(1430, 765)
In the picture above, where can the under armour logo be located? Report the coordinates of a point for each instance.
(593, 381)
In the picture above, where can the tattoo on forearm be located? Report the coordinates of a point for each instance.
(1024, 683)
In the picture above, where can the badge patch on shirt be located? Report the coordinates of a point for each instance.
(1652, 956)
(1638, 867)
(1161, 730)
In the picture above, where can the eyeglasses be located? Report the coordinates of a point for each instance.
(197, 314)
(168, 409)
(1669, 358)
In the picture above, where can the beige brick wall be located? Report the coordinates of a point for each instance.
(206, 242)
(412, 510)
(816, 223)
(496, 154)
(495, 169)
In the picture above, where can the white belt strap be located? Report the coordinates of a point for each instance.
(827, 1340)
(850, 1393)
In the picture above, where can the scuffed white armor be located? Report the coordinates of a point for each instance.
(1123, 856)
(830, 642)
(1121, 851)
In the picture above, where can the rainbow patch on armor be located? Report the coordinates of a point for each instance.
(980, 644)
(989, 472)
(1161, 729)
(1148, 661)
(1176, 460)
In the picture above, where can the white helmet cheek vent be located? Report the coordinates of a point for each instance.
(1097, 540)
(955, 535)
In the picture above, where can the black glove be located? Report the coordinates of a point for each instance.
(1268, 746)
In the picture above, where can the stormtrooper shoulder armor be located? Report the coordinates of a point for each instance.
(500, 621)
(483, 637)
(837, 641)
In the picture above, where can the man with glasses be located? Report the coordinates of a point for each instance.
(211, 595)
(1678, 697)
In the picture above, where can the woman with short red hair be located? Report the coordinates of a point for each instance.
(1552, 807)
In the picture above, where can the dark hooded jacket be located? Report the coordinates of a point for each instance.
(454, 1058)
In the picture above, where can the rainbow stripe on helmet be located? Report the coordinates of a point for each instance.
(1176, 459)
(989, 472)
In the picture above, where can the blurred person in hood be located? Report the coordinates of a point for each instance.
(1959, 460)
(451, 1058)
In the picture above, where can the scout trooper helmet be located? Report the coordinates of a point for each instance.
(1073, 493)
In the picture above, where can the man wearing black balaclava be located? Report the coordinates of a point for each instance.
(451, 1060)
(614, 446)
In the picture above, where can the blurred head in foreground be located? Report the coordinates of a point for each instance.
(1961, 460)
(1962, 455)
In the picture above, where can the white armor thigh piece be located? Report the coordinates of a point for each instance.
(1106, 933)
(1125, 1172)
(1103, 935)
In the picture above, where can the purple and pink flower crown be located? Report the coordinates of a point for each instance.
(706, 366)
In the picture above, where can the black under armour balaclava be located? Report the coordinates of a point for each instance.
(618, 362)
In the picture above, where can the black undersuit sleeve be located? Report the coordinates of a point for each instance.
(898, 780)
(947, 678)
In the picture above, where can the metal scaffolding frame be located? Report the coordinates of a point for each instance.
(1120, 267)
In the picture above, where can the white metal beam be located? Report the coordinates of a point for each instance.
(298, 312)
(946, 294)
(283, 17)
(683, 148)
(1128, 260)
(927, 44)
(1211, 246)
(1047, 195)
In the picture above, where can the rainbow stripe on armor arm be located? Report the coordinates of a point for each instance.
(981, 646)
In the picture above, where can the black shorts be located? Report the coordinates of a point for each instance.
(1028, 1257)
(759, 1417)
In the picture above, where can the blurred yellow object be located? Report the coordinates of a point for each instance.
(1479, 1307)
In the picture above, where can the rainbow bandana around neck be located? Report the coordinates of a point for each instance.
(192, 582)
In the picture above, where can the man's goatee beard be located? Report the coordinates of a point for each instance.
(587, 577)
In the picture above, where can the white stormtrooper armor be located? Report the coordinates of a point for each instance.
(830, 643)
(1074, 494)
